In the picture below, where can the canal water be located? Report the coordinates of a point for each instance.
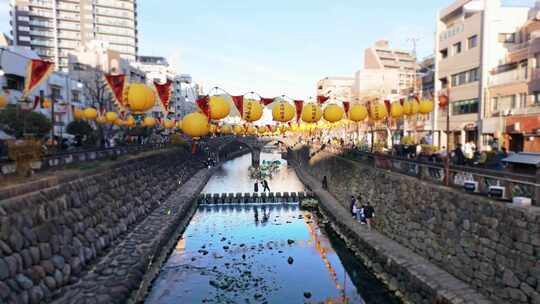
(271, 253)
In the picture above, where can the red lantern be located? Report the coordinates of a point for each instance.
(443, 101)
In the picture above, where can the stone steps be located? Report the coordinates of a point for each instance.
(250, 198)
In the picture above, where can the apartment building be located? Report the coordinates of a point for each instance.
(337, 88)
(54, 28)
(472, 36)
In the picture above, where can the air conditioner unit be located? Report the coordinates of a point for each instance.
(497, 192)
(471, 186)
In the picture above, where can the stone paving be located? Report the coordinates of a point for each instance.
(413, 277)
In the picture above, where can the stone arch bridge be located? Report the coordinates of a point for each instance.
(223, 145)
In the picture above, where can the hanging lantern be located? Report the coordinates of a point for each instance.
(311, 113)
(195, 125)
(149, 121)
(407, 108)
(396, 110)
(78, 114)
(378, 111)
(101, 120)
(251, 130)
(426, 106)
(118, 122)
(253, 110)
(111, 117)
(46, 104)
(226, 129)
(262, 129)
(90, 113)
(415, 107)
(3, 101)
(140, 98)
(238, 129)
(219, 107)
(213, 129)
(333, 113)
(443, 101)
(179, 124)
(283, 129)
(358, 113)
(130, 122)
(168, 123)
(272, 129)
(283, 112)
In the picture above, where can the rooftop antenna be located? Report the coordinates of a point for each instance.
(414, 42)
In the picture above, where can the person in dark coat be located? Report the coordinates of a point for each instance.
(325, 183)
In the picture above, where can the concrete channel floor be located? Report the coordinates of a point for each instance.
(447, 286)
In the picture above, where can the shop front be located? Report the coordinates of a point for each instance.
(522, 133)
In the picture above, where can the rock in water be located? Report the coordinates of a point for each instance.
(290, 260)
(307, 294)
(290, 242)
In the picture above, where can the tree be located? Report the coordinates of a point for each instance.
(83, 132)
(17, 122)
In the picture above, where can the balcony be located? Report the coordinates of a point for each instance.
(507, 77)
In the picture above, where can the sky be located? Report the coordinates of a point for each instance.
(280, 46)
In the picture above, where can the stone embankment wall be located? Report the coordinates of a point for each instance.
(492, 246)
(49, 238)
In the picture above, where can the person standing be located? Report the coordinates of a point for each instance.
(265, 186)
(325, 183)
(352, 206)
(369, 214)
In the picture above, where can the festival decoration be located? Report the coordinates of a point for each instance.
(239, 103)
(213, 129)
(203, 103)
(358, 113)
(415, 107)
(3, 101)
(101, 120)
(139, 98)
(149, 121)
(283, 112)
(179, 124)
(116, 84)
(298, 105)
(378, 111)
(90, 113)
(396, 110)
(78, 114)
(226, 129)
(118, 122)
(195, 125)
(407, 107)
(443, 101)
(168, 123)
(130, 122)
(262, 130)
(322, 99)
(219, 107)
(251, 130)
(333, 113)
(267, 101)
(253, 110)
(163, 92)
(238, 129)
(311, 113)
(36, 72)
(111, 117)
(426, 106)
(46, 104)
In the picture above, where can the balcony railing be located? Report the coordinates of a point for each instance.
(507, 77)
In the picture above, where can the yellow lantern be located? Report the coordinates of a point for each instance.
(118, 122)
(407, 107)
(140, 98)
(358, 113)
(130, 122)
(213, 129)
(426, 106)
(262, 129)
(283, 112)
(111, 117)
(3, 101)
(195, 125)
(101, 120)
(253, 110)
(272, 129)
(219, 107)
(78, 114)
(238, 129)
(396, 110)
(283, 129)
(46, 104)
(168, 123)
(226, 129)
(333, 113)
(311, 113)
(149, 121)
(90, 113)
(415, 107)
(251, 130)
(179, 124)
(378, 111)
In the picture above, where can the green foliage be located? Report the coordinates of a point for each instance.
(16, 122)
(83, 132)
(176, 140)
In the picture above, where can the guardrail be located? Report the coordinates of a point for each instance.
(72, 157)
(497, 184)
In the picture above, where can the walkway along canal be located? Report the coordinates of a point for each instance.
(262, 253)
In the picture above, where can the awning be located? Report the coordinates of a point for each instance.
(524, 158)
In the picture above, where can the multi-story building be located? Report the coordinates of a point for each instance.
(426, 77)
(337, 88)
(382, 57)
(472, 36)
(186, 93)
(370, 83)
(54, 28)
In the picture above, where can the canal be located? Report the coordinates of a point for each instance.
(262, 253)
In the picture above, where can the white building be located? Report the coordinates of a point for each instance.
(337, 88)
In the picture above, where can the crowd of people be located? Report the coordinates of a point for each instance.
(362, 212)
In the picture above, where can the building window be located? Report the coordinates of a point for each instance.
(465, 107)
(522, 100)
(75, 96)
(494, 104)
(14, 82)
(444, 53)
(472, 41)
(536, 98)
(537, 60)
(465, 77)
(507, 37)
(457, 48)
(513, 103)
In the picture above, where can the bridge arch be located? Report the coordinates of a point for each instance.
(253, 145)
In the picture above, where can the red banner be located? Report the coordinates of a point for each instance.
(36, 71)
(239, 103)
(402, 101)
(267, 101)
(298, 104)
(203, 104)
(164, 93)
(388, 106)
(37, 100)
(322, 99)
(116, 84)
(346, 107)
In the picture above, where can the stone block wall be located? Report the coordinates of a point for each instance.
(490, 245)
(48, 238)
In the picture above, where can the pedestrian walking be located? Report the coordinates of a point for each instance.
(265, 186)
(325, 183)
(369, 214)
(352, 206)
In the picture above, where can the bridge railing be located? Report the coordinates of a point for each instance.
(500, 184)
